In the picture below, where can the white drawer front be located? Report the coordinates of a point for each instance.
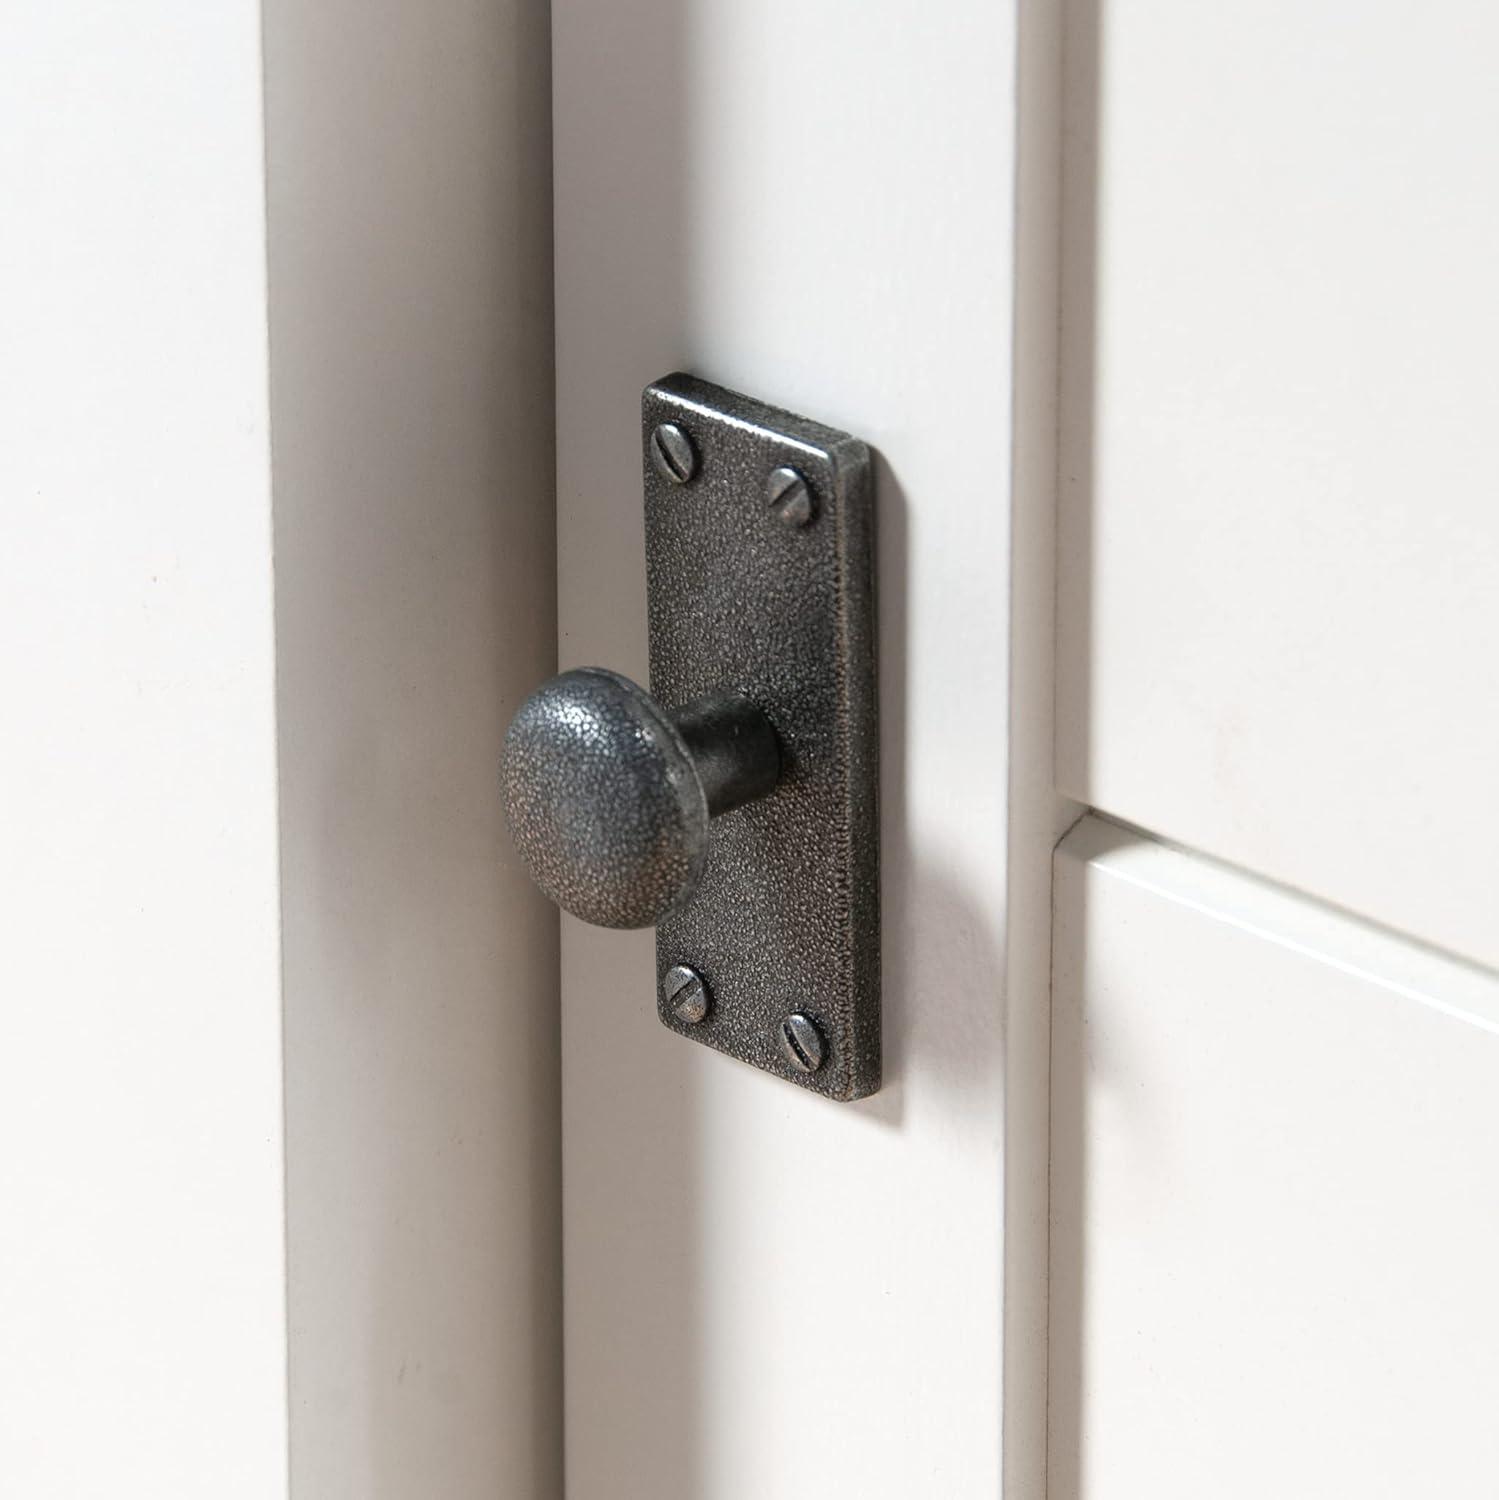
(1279, 575)
(1275, 1178)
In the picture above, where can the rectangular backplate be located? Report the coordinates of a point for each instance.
(787, 919)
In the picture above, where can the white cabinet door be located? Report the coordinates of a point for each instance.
(278, 1057)
(1279, 581)
(142, 1295)
(1275, 1182)
(769, 1296)
(1275, 1129)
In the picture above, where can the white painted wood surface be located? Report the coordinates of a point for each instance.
(1275, 1199)
(1279, 532)
(410, 259)
(143, 1215)
(769, 1295)
(142, 1302)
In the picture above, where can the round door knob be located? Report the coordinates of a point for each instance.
(609, 794)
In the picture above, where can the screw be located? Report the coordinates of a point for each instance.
(687, 993)
(672, 453)
(790, 497)
(801, 1043)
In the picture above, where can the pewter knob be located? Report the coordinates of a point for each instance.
(609, 795)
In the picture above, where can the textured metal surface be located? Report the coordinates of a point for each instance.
(733, 747)
(603, 800)
(786, 917)
(609, 795)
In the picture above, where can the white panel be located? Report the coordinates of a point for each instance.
(1275, 1198)
(410, 219)
(1280, 539)
(767, 1294)
(142, 1313)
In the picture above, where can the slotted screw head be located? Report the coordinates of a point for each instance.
(686, 992)
(790, 497)
(672, 453)
(801, 1043)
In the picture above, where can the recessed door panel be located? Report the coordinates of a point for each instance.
(1279, 574)
(1275, 1193)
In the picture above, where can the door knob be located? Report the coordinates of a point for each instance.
(609, 794)
(736, 810)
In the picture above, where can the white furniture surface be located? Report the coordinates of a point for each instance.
(767, 1294)
(142, 1295)
(1279, 536)
(1275, 1180)
(213, 739)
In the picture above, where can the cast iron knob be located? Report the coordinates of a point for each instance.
(609, 794)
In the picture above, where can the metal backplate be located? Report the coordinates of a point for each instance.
(748, 592)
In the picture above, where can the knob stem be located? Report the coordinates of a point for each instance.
(733, 747)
